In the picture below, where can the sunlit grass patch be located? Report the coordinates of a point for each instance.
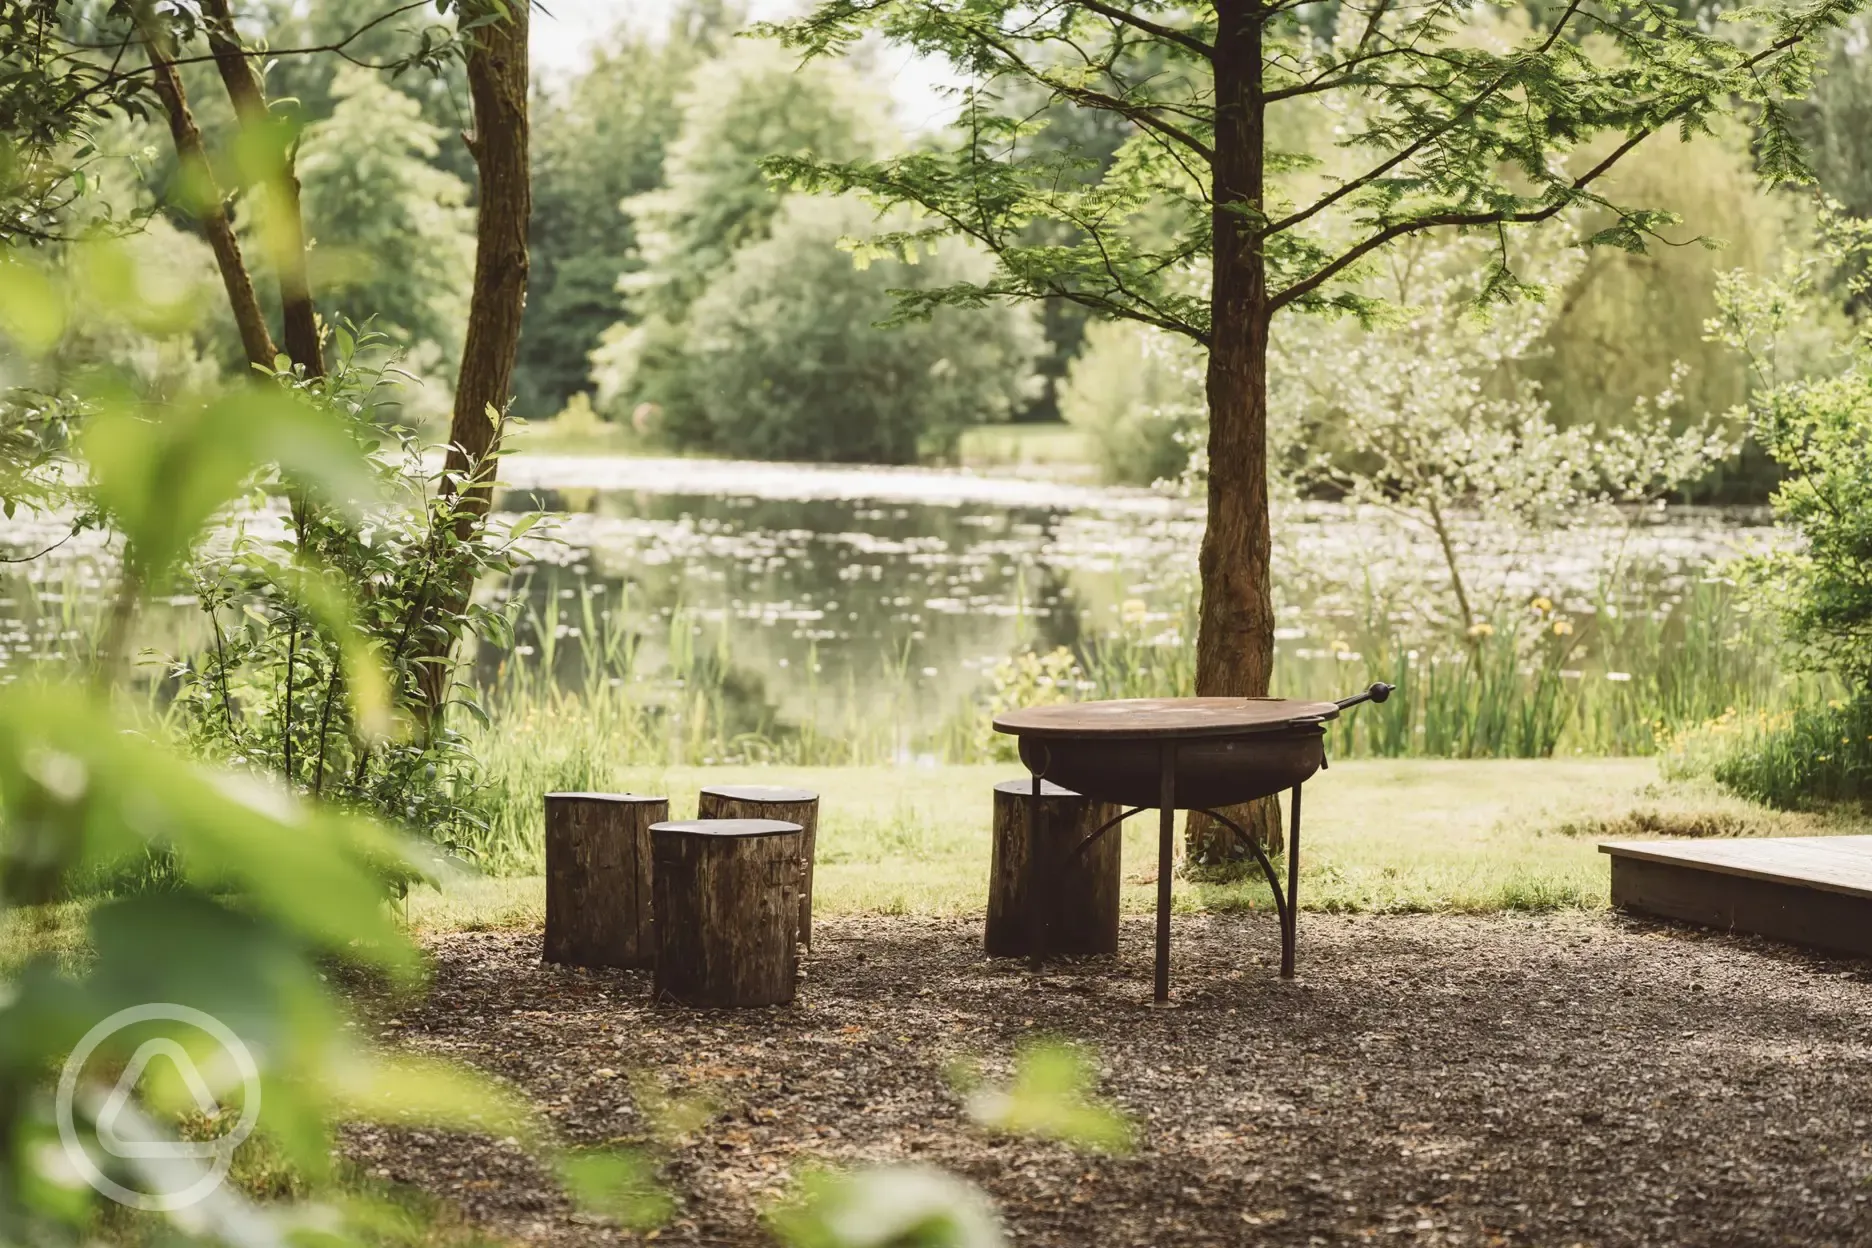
(1379, 836)
(55, 931)
(1055, 446)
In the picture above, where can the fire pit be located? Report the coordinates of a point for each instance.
(1176, 754)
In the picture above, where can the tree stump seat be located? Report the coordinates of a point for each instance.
(727, 910)
(770, 801)
(1076, 911)
(598, 902)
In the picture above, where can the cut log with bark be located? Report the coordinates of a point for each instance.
(769, 801)
(1070, 904)
(727, 910)
(599, 908)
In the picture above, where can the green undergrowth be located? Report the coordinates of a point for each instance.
(1379, 836)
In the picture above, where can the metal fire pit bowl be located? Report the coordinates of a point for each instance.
(1174, 754)
(1210, 771)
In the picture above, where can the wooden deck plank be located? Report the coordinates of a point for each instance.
(1834, 864)
(1810, 890)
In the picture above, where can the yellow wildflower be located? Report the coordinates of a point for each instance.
(1542, 604)
(1563, 628)
(1482, 628)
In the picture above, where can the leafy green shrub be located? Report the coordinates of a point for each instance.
(1818, 430)
(788, 359)
(1805, 759)
(313, 668)
(1139, 393)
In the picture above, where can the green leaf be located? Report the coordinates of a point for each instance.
(72, 776)
(1049, 1098)
(32, 308)
(888, 1207)
(162, 478)
(621, 1186)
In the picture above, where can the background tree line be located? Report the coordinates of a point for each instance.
(692, 300)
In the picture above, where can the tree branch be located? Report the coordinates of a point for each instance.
(1411, 149)
(1149, 27)
(249, 98)
(256, 339)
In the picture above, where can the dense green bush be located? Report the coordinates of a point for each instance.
(1818, 431)
(1812, 757)
(787, 359)
(1139, 393)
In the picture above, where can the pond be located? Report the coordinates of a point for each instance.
(819, 590)
(820, 582)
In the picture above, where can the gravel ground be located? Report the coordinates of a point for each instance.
(1579, 1079)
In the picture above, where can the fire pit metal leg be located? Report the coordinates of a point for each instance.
(1283, 902)
(1290, 930)
(1036, 910)
(1166, 851)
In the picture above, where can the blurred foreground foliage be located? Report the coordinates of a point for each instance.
(265, 889)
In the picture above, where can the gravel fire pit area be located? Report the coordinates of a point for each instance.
(1434, 1079)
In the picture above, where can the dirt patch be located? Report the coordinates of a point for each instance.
(1568, 1079)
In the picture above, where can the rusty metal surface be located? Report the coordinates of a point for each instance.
(1209, 771)
(1159, 719)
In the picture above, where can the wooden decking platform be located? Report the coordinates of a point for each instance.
(1810, 890)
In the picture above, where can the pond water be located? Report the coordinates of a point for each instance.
(828, 587)
(819, 583)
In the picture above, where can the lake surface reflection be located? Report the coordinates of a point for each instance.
(826, 588)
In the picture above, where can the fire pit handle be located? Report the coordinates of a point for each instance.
(1377, 693)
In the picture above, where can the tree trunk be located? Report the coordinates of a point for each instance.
(249, 319)
(497, 84)
(598, 906)
(298, 313)
(1080, 898)
(766, 801)
(727, 907)
(1235, 636)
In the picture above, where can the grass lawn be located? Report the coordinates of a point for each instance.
(1058, 448)
(1409, 835)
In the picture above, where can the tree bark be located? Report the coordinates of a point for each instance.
(1081, 897)
(766, 801)
(497, 85)
(249, 319)
(727, 906)
(598, 905)
(299, 315)
(1235, 635)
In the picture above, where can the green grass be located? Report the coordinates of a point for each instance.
(1378, 836)
(1058, 448)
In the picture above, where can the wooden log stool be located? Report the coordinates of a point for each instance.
(598, 904)
(727, 906)
(768, 801)
(1076, 912)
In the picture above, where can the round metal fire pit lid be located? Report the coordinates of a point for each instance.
(1164, 717)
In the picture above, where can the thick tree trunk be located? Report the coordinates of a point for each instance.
(299, 315)
(249, 319)
(497, 83)
(1235, 637)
